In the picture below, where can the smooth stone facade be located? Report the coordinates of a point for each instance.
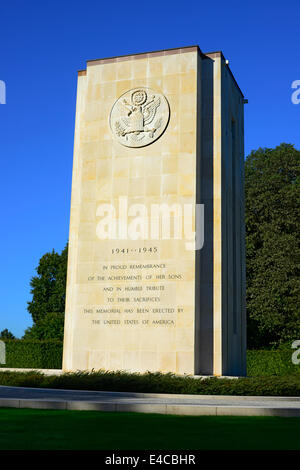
(151, 304)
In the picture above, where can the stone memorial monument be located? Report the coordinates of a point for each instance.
(156, 268)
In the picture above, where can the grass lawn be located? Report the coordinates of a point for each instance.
(47, 429)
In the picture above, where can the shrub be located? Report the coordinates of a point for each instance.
(33, 354)
(157, 383)
(273, 362)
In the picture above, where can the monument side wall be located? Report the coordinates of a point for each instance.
(73, 228)
(233, 266)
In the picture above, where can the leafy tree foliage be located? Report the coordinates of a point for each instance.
(51, 326)
(272, 196)
(48, 288)
(6, 334)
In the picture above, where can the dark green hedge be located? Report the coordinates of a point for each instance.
(33, 354)
(277, 362)
(157, 383)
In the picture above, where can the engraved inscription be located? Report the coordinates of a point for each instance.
(147, 299)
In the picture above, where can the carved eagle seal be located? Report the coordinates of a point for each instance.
(139, 116)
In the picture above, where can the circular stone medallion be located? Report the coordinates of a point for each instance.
(139, 117)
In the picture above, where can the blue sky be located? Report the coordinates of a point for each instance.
(43, 44)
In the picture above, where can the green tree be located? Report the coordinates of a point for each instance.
(51, 326)
(6, 334)
(48, 288)
(272, 197)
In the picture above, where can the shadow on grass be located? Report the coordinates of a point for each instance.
(45, 429)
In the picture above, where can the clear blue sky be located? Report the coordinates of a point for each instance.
(43, 44)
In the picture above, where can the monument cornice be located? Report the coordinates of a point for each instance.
(163, 52)
(144, 55)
